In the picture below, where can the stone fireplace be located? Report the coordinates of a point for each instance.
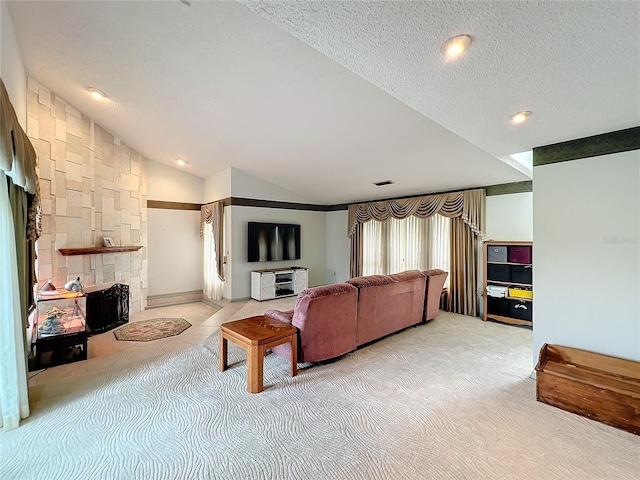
(92, 186)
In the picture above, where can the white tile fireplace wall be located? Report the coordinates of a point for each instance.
(91, 186)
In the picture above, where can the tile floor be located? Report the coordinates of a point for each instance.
(104, 351)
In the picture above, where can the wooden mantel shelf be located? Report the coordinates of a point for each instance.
(94, 250)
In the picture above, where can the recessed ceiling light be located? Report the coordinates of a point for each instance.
(95, 93)
(519, 117)
(454, 47)
(180, 162)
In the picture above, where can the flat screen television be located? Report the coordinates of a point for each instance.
(271, 242)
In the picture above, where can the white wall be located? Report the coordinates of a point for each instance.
(587, 254)
(510, 217)
(337, 269)
(217, 187)
(172, 185)
(175, 249)
(313, 245)
(244, 185)
(11, 67)
(227, 292)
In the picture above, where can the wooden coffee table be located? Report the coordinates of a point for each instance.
(256, 335)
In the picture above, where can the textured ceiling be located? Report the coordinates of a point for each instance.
(575, 64)
(324, 99)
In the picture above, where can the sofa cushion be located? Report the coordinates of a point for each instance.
(435, 281)
(326, 320)
(371, 281)
(388, 303)
(315, 292)
(408, 275)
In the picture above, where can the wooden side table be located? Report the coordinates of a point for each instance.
(256, 335)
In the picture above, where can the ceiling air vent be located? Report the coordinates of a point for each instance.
(386, 182)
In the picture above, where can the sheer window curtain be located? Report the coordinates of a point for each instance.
(212, 283)
(212, 232)
(396, 245)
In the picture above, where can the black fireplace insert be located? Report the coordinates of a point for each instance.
(107, 308)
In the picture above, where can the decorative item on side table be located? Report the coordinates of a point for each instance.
(108, 242)
(74, 285)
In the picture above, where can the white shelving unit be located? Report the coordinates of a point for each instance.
(277, 283)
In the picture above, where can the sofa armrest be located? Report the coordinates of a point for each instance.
(285, 317)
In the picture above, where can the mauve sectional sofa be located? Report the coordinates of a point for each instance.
(388, 303)
(333, 320)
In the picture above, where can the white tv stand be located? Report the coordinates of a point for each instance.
(278, 282)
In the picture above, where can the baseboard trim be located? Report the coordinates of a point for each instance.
(177, 298)
(210, 302)
(234, 300)
(186, 302)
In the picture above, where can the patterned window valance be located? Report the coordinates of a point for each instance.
(468, 204)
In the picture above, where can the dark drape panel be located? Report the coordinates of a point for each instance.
(18, 201)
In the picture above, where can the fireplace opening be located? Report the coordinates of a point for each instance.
(107, 308)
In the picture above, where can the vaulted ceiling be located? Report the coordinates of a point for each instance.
(325, 98)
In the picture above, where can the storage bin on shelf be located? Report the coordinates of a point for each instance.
(521, 293)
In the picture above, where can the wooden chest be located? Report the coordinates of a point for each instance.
(600, 387)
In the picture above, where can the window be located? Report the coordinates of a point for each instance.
(412, 243)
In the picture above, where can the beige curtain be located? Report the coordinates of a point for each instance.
(356, 247)
(465, 244)
(466, 210)
(211, 213)
(464, 270)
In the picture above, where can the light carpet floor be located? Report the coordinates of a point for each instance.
(448, 400)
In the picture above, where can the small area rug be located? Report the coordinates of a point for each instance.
(147, 330)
